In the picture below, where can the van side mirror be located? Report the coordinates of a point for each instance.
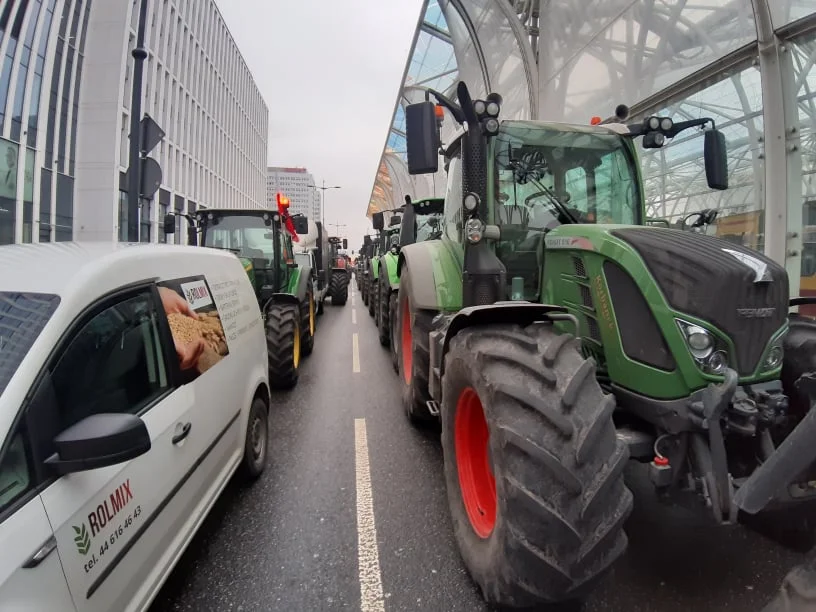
(716, 159)
(345, 244)
(422, 138)
(99, 440)
(378, 221)
(169, 224)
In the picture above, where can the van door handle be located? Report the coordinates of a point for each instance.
(185, 431)
(39, 556)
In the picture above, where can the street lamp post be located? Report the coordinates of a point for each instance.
(323, 199)
(135, 171)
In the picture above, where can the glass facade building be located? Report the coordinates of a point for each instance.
(42, 52)
(748, 64)
(65, 94)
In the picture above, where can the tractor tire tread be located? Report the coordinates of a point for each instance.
(281, 327)
(559, 524)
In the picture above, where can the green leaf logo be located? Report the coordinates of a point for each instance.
(82, 539)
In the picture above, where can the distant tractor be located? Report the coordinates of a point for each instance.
(340, 275)
(263, 240)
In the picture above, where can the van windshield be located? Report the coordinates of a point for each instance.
(22, 317)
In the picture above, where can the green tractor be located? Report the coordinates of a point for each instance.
(420, 220)
(387, 237)
(262, 239)
(555, 335)
(340, 273)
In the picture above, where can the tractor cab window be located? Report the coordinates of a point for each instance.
(246, 235)
(545, 177)
(429, 227)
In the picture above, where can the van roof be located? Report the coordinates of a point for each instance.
(59, 267)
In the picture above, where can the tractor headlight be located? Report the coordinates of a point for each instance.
(474, 229)
(774, 356)
(708, 351)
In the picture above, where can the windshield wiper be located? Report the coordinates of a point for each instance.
(555, 201)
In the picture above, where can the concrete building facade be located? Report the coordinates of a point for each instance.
(65, 92)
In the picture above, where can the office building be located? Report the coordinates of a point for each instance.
(65, 94)
(298, 185)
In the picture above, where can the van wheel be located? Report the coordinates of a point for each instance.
(283, 344)
(256, 442)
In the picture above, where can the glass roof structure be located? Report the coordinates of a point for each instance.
(750, 65)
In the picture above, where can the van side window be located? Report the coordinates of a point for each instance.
(113, 363)
(15, 472)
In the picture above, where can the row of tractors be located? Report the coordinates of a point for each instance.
(293, 265)
(556, 334)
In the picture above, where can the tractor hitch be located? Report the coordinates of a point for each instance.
(774, 477)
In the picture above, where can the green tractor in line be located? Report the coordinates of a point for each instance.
(262, 239)
(340, 273)
(556, 336)
(419, 221)
(386, 239)
(366, 253)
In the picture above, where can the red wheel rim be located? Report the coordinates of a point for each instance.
(407, 347)
(476, 480)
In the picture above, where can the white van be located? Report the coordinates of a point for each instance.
(133, 384)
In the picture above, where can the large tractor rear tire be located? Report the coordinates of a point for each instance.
(383, 313)
(283, 338)
(533, 470)
(364, 291)
(413, 327)
(338, 288)
(308, 322)
(394, 334)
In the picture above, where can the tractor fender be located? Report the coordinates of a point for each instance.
(280, 298)
(391, 270)
(518, 313)
(303, 282)
(436, 275)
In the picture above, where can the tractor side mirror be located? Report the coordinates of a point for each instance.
(169, 224)
(408, 230)
(422, 138)
(192, 236)
(366, 241)
(395, 220)
(378, 221)
(301, 224)
(716, 160)
(345, 244)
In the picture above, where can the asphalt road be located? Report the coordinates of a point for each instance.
(302, 538)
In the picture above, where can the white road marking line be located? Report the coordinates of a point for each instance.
(371, 591)
(354, 316)
(355, 354)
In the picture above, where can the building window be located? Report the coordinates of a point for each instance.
(45, 205)
(65, 208)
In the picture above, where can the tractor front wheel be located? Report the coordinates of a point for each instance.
(413, 362)
(394, 334)
(373, 292)
(533, 470)
(283, 337)
(383, 313)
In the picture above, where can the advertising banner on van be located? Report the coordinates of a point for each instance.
(198, 332)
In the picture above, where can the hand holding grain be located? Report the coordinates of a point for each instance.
(175, 304)
(189, 353)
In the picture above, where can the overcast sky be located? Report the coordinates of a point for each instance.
(330, 72)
